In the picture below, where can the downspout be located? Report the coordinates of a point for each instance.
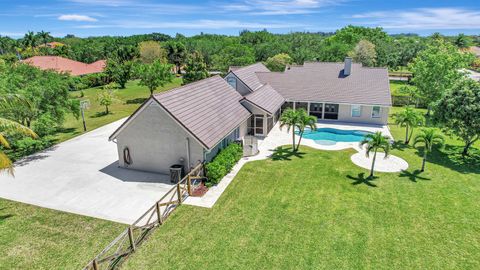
(188, 153)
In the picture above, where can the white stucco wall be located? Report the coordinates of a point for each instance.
(345, 115)
(156, 142)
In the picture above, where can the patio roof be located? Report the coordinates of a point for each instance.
(266, 98)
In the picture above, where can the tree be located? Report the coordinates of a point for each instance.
(408, 118)
(29, 40)
(278, 62)
(364, 53)
(154, 75)
(304, 120)
(196, 69)
(290, 119)
(119, 72)
(462, 41)
(436, 69)
(106, 98)
(374, 142)
(233, 55)
(176, 53)
(459, 112)
(428, 137)
(9, 126)
(44, 37)
(151, 51)
(19, 108)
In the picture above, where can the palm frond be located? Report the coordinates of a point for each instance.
(4, 141)
(7, 125)
(6, 164)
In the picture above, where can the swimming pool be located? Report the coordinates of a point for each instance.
(330, 136)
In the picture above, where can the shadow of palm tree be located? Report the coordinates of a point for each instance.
(413, 176)
(4, 217)
(286, 153)
(361, 179)
(400, 145)
(451, 157)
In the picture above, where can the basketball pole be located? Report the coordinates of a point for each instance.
(83, 119)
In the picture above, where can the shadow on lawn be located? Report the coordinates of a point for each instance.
(282, 153)
(4, 217)
(451, 157)
(400, 145)
(413, 176)
(361, 179)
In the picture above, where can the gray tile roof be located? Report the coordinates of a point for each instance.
(266, 98)
(324, 82)
(209, 109)
(247, 74)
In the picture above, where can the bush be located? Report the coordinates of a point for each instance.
(27, 146)
(94, 80)
(223, 163)
(45, 125)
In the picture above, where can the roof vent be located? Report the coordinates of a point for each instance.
(347, 70)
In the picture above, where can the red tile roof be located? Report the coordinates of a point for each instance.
(61, 64)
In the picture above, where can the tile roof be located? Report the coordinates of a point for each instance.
(475, 50)
(247, 74)
(209, 109)
(266, 98)
(61, 64)
(325, 82)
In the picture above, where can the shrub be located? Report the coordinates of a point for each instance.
(223, 163)
(95, 79)
(45, 125)
(27, 146)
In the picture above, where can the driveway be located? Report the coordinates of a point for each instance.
(81, 176)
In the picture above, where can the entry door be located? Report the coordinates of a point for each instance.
(259, 126)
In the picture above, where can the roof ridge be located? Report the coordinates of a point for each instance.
(186, 85)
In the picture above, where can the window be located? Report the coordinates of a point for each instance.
(232, 81)
(376, 111)
(356, 110)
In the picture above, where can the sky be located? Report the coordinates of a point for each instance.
(126, 17)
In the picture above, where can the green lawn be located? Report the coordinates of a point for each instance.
(315, 210)
(38, 238)
(127, 102)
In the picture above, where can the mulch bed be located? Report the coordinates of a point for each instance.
(199, 191)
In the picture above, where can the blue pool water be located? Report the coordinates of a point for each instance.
(330, 136)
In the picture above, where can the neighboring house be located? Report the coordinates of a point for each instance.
(193, 122)
(65, 65)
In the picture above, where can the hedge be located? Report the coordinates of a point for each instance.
(223, 163)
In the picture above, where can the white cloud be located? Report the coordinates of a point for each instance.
(197, 24)
(281, 7)
(423, 19)
(77, 18)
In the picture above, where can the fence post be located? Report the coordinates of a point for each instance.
(159, 214)
(179, 193)
(95, 264)
(189, 186)
(130, 237)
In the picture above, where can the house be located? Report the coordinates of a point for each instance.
(190, 124)
(51, 45)
(475, 50)
(65, 65)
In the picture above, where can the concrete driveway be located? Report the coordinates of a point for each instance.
(81, 176)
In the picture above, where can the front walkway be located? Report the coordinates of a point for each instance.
(278, 137)
(81, 176)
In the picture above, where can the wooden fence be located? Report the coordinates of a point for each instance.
(128, 241)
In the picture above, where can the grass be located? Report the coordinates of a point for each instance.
(316, 210)
(38, 238)
(127, 102)
(395, 87)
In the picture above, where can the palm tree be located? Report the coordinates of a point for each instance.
(14, 127)
(428, 137)
(374, 142)
(304, 120)
(290, 119)
(44, 36)
(408, 118)
(29, 40)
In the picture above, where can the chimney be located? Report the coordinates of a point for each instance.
(347, 70)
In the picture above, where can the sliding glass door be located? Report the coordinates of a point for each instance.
(331, 111)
